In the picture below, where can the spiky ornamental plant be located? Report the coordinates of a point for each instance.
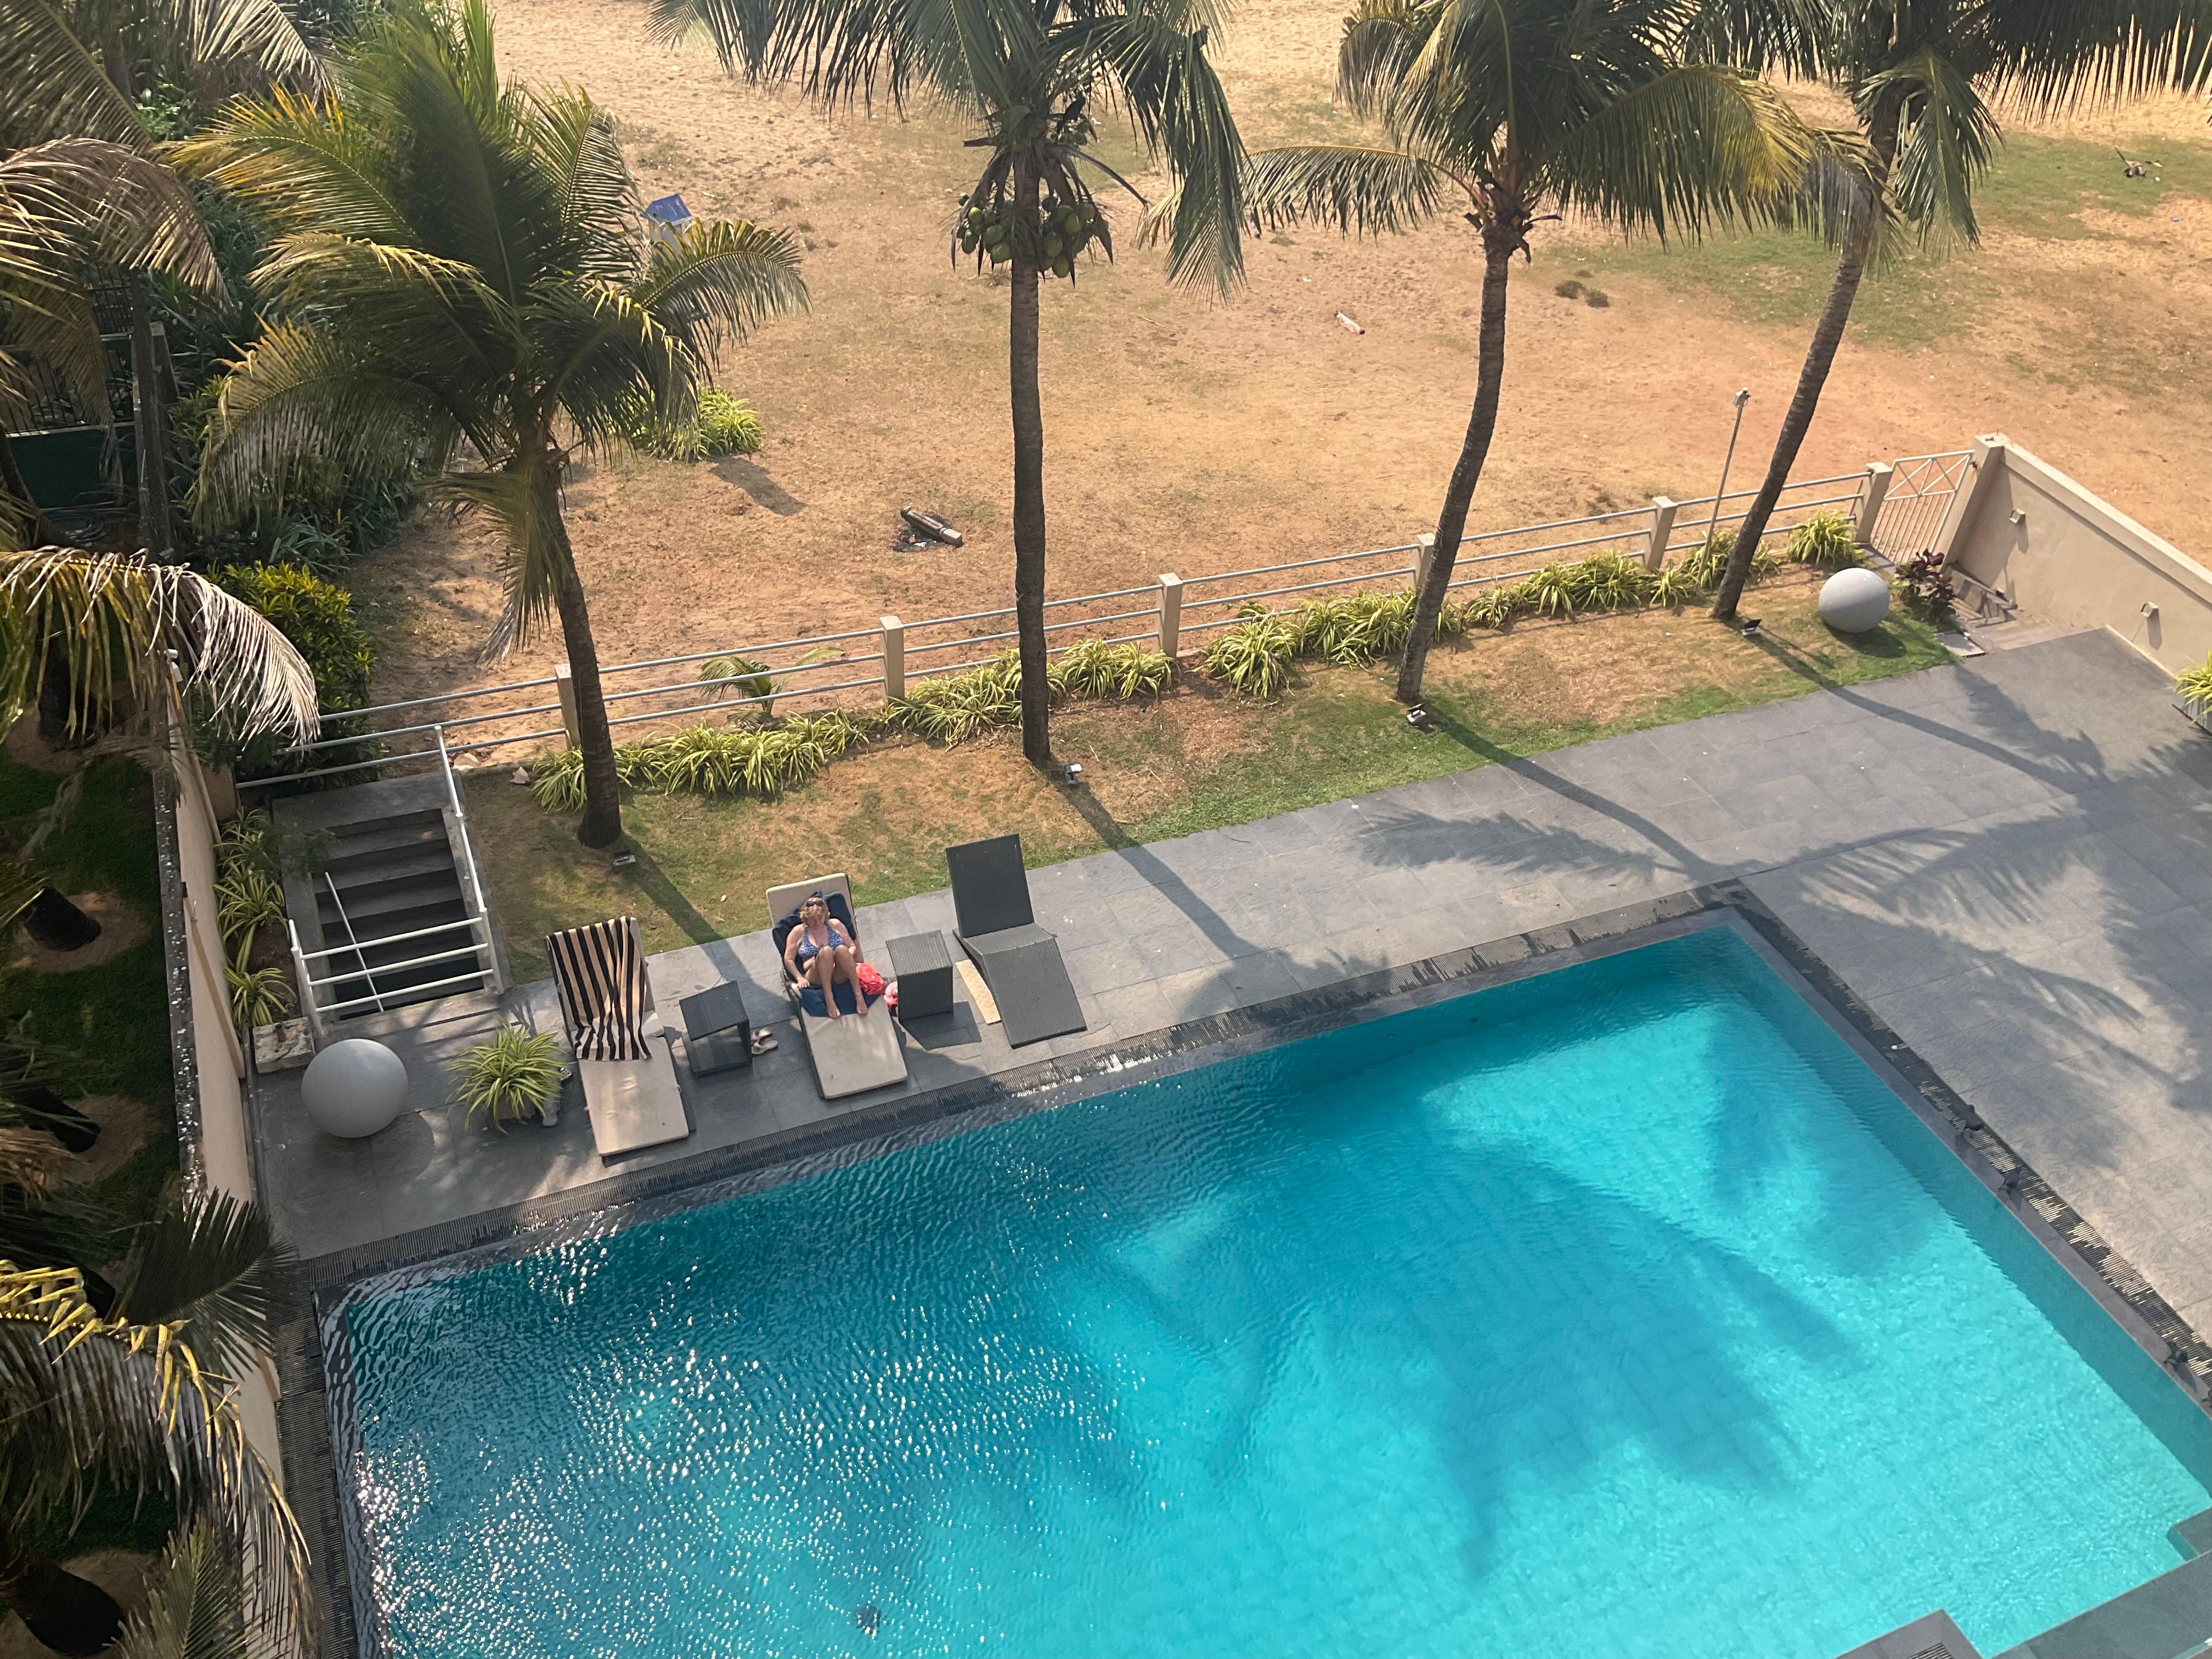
(1026, 73)
(1513, 112)
(1921, 75)
(471, 291)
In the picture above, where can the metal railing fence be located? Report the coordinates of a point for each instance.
(884, 661)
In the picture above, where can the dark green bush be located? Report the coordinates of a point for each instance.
(317, 617)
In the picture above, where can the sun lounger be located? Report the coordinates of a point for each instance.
(861, 1051)
(1018, 960)
(627, 1073)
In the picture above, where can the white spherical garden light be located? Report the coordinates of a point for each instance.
(354, 1088)
(1854, 601)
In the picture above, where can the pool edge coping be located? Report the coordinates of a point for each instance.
(315, 1412)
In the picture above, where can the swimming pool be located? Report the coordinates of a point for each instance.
(1623, 1309)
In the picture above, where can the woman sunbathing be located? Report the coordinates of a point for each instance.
(820, 952)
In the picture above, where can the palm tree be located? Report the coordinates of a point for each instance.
(1515, 111)
(470, 290)
(138, 1400)
(1921, 75)
(1026, 73)
(77, 191)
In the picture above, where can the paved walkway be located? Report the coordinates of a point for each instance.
(2010, 858)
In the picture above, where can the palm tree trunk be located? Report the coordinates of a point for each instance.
(602, 823)
(1498, 249)
(67, 1613)
(1813, 377)
(1029, 476)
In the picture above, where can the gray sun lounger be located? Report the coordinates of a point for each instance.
(629, 1077)
(1019, 960)
(861, 1051)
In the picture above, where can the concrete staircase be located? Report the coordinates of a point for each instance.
(380, 864)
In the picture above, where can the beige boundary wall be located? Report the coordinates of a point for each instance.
(2025, 530)
(211, 1064)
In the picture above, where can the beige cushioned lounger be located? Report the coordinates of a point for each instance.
(859, 1052)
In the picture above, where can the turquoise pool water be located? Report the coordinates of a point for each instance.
(1619, 1311)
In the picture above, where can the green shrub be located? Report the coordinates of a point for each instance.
(1609, 581)
(954, 708)
(556, 781)
(1922, 585)
(317, 617)
(1826, 540)
(1550, 592)
(258, 996)
(727, 427)
(514, 1075)
(1092, 668)
(2196, 684)
(1494, 606)
(722, 426)
(1707, 561)
(741, 677)
(245, 899)
(1676, 586)
(1253, 658)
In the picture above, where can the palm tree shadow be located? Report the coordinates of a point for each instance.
(652, 881)
(753, 478)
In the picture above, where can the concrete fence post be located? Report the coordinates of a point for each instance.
(1866, 512)
(893, 660)
(1982, 468)
(1170, 613)
(1663, 509)
(564, 681)
(1425, 555)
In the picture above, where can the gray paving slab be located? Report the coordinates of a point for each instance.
(2011, 858)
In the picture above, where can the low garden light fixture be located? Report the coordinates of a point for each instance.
(1750, 627)
(1074, 773)
(1419, 718)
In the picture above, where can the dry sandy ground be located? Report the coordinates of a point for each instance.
(1188, 434)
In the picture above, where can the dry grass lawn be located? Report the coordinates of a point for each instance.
(1193, 434)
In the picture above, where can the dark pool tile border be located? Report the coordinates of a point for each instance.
(317, 1421)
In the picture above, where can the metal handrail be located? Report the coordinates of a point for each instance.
(338, 904)
(391, 968)
(400, 938)
(468, 856)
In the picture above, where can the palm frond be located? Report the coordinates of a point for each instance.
(1382, 38)
(57, 88)
(306, 395)
(1177, 103)
(70, 201)
(303, 165)
(1360, 189)
(101, 1400)
(721, 280)
(198, 1607)
(535, 556)
(1801, 36)
(1696, 145)
(1947, 135)
(31, 1160)
(214, 1269)
(2053, 54)
(115, 619)
(573, 141)
(244, 34)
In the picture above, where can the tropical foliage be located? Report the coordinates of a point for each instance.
(1514, 111)
(1825, 539)
(1926, 79)
(2196, 684)
(1029, 76)
(472, 294)
(512, 1076)
(111, 624)
(133, 1393)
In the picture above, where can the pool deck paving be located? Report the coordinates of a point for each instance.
(2008, 859)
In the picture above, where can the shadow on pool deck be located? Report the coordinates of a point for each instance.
(2009, 859)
